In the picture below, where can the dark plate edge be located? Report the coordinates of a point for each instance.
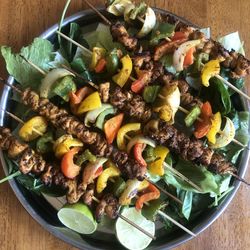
(53, 230)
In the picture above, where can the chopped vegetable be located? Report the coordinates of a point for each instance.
(129, 192)
(151, 210)
(167, 103)
(64, 87)
(97, 54)
(100, 66)
(210, 69)
(112, 62)
(181, 52)
(122, 133)
(138, 149)
(91, 102)
(149, 23)
(138, 85)
(189, 58)
(139, 10)
(92, 115)
(122, 77)
(139, 139)
(179, 35)
(112, 126)
(92, 171)
(118, 187)
(110, 172)
(226, 135)
(215, 127)
(201, 58)
(69, 169)
(29, 130)
(156, 167)
(192, 116)
(50, 79)
(161, 31)
(117, 7)
(45, 143)
(150, 93)
(202, 127)
(152, 193)
(63, 144)
(101, 118)
(85, 156)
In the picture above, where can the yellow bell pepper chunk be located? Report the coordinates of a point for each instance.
(111, 171)
(210, 69)
(122, 77)
(143, 185)
(91, 102)
(157, 167)
(97, 54)
(120, 139)
(215, 128)
(33, 128)
(64, 143)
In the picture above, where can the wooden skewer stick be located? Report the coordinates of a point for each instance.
(218, 76)
(33, 65)
(185, 111)
(94, 198)
(96, 87)
(98, 13)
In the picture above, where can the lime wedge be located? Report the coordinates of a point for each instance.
(129, 236)
(77, 217)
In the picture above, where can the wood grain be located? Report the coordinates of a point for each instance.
(22, 20)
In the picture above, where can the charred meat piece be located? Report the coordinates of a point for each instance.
(108, 205)
(218, 165)
(74, 193)
(101, 147)
(120, 34)
(104, 91)
(167, 47)
(206, 157)
(88, 195)
(10, 143)
(195, 150)
(31, 162)
(129, 167)
(141, 58)
(131, 104)
(61, 119)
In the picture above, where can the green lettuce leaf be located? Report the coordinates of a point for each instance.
(39, 52)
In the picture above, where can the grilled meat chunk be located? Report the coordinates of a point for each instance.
(10, 143)
(61, 119)
(31, 162)
(74, 193)
(141, 58)
(167, 47)
(120, 34)
(108, 205)
(220, 166)
(129, 167)
(88, 195)
(131, 104)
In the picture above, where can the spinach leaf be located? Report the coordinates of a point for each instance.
(187, 198)
(199, 175)
(218, 95)
(161, 31)
(39, 52)
(241, 124)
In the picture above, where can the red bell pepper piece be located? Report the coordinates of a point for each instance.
(138, 149)
(189, 58)
(100, 66)
(112, 126)
(77, 97)
(68, 167)
(138, 85)
(151, 193)
(202, 127)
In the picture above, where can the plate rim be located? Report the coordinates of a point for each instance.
(54, 230)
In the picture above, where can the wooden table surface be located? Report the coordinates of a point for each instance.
(22, 20)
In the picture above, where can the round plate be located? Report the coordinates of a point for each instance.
(46, 215)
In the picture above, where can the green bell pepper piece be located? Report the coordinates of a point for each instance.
(192, 116)
(101, 118)
(118, 187)
(85, 156)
